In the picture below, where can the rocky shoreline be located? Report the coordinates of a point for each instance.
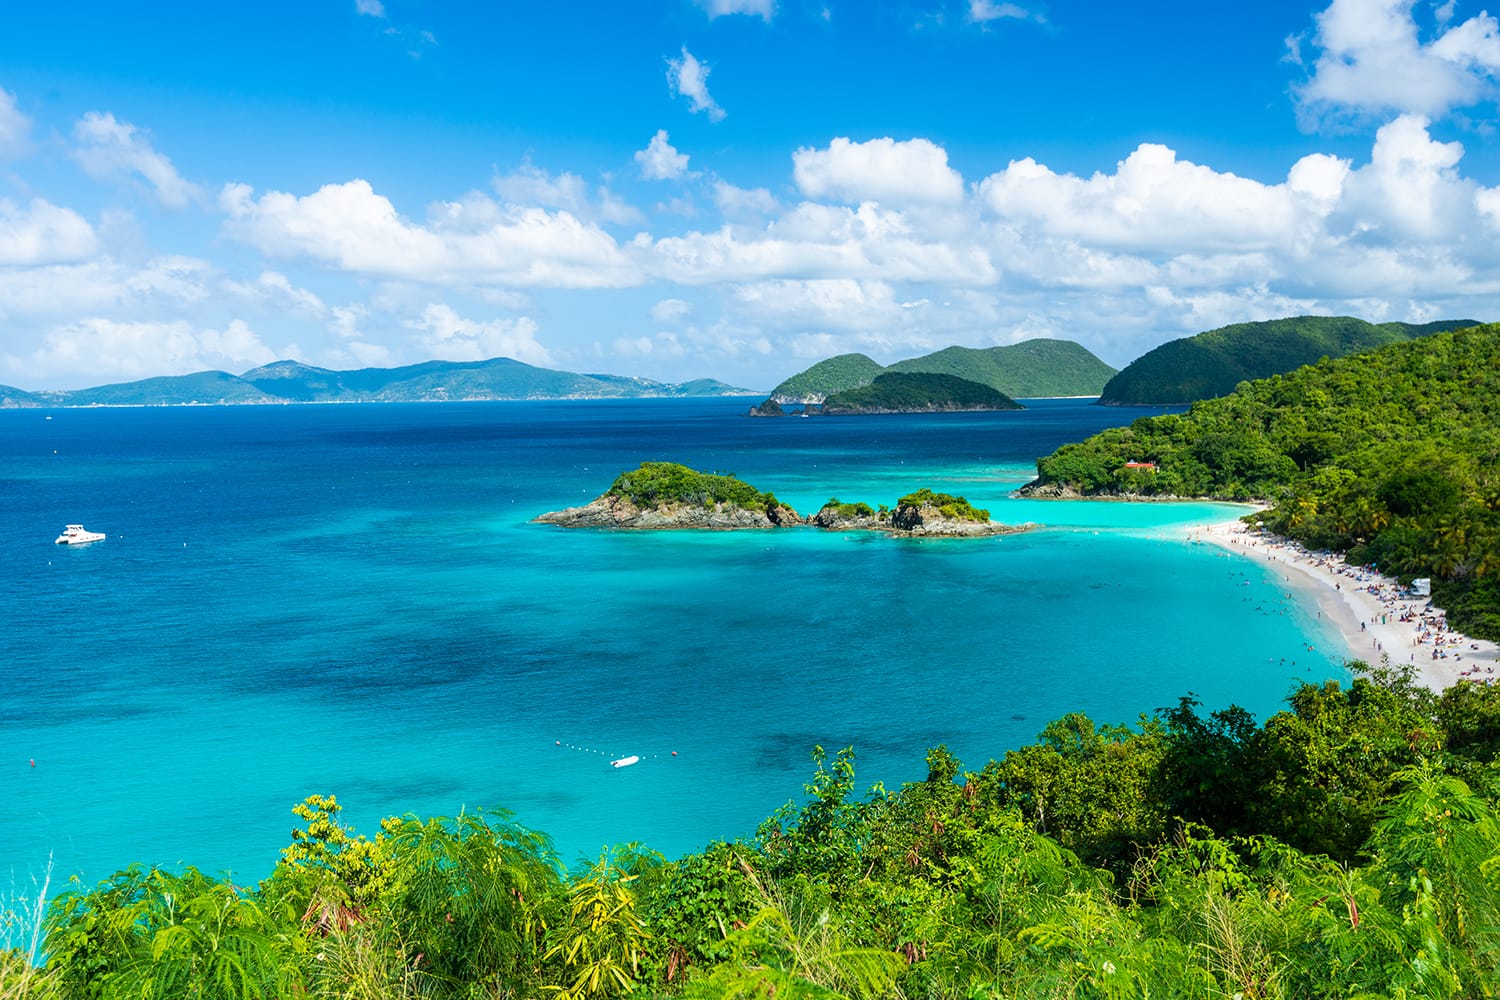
(910, 520)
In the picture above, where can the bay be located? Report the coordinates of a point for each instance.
(352, 600)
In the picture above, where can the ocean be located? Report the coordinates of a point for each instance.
(352, 600)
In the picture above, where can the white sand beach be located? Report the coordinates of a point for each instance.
(1374, 614)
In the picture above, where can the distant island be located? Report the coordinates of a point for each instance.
(1211, 364)
(666, 496)
(430, 381)
(1031, 369)
(904, 392)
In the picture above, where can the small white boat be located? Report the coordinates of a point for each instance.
(625, 761)
(74, 534)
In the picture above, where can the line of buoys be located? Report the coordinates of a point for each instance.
(624, 761)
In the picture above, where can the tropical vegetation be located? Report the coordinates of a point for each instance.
(916, 392)
(1213, 363)
(957, 508)
(1392, 456)
(657, 484)
(1347, 847)
(843, 371)
(1028, 369)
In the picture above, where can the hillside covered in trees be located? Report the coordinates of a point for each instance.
(1031, 368)
(1213, 363)
(1392, 456)
(917, 392)
(1344, 848)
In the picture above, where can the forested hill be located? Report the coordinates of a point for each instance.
(1392, 455)
(1213, 363)
(831, 375)
(1029, 369)
(917, 392)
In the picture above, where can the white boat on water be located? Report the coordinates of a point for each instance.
(74, 534)
(625, 761)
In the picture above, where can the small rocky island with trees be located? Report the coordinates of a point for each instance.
(903, 392)
(666, 495)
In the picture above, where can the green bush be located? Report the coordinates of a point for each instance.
(948, 505)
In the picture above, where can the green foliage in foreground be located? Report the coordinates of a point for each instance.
(1213, 363)
(1392, 456)
(658, 483)
(957, 508)
(901, 391)
(1348, 847)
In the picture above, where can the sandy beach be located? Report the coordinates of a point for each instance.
(1375, 615)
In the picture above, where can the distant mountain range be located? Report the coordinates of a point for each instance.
(1032, 368)
(1211, 364)
(431, 381)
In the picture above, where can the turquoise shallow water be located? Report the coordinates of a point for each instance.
(350, 599)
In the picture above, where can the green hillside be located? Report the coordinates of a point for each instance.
(176, 390)
(1392, 455)
(917, 392)
(11, 397)
(1213, 363)
(1028, 369)
(844, 371)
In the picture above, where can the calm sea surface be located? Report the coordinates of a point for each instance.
(350, 600)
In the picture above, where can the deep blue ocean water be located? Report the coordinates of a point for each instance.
(351, 600)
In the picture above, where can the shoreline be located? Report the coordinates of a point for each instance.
(1375, 617)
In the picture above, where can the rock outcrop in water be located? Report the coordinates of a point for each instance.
(621, 512)
(666, 496)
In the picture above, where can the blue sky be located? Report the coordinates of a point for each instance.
(726, 188)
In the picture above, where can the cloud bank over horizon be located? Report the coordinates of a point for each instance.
(150, 264)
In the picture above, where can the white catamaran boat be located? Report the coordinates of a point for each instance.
(74, 534)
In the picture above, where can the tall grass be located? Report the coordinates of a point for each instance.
(21, 938)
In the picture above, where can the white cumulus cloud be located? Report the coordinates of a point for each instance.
(1411, 189)
(43, 233)
(1373, 60)
(109, 149)
(882, 170)
(985, 11)
(452, 337)
(659, 161)
(737, 202)
(275, 289)
(764, 9)
(670, 310)
(689, 78)
(1153, 202)
(94, 349)
(471, 241)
